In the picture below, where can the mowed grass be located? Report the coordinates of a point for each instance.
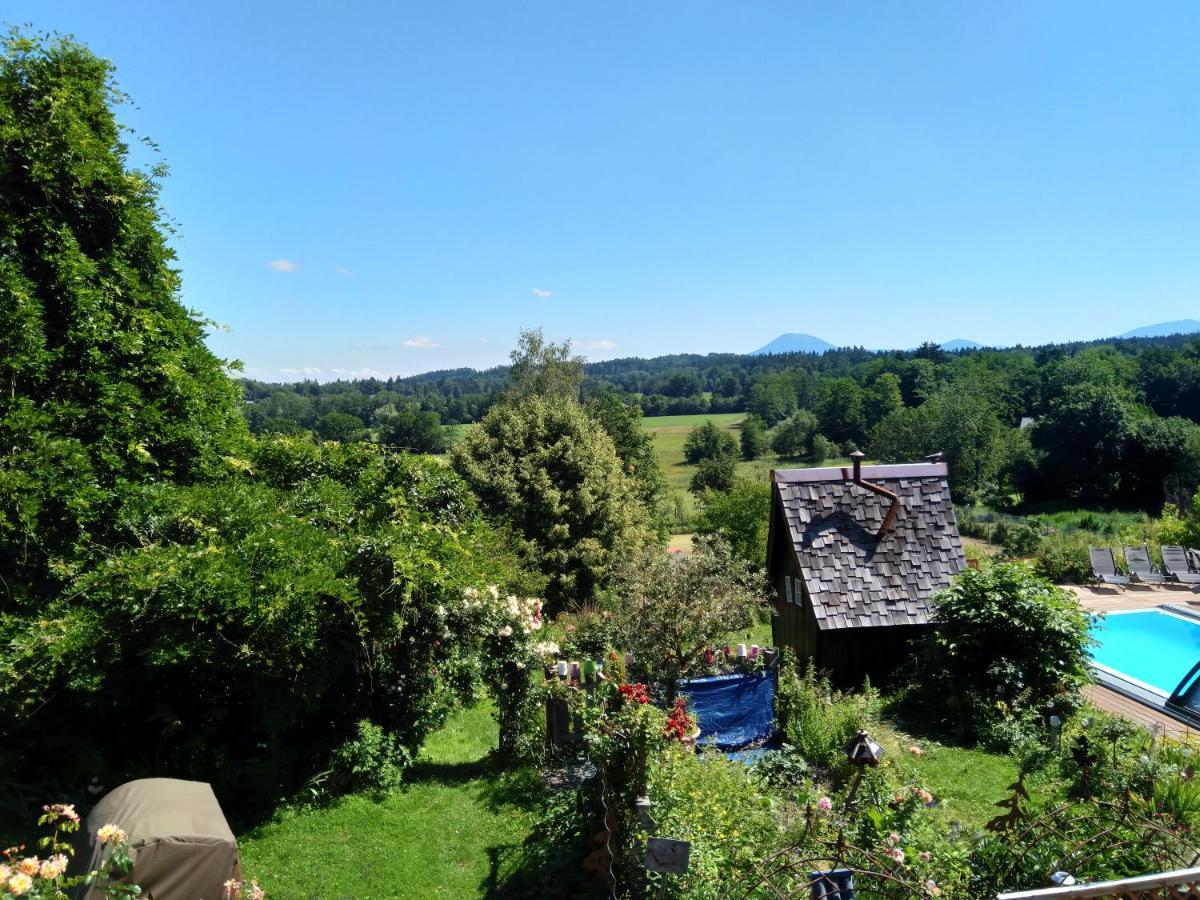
(442, 835)
(670, 433)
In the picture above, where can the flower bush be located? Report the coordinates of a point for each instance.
(45, 877)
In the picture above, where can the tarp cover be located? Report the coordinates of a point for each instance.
(179, 840)
(732, 710)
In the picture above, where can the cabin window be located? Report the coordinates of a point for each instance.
(787, 583)
(797, 592)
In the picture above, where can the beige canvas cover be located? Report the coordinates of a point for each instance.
(181, 845)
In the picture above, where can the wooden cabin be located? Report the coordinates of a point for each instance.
(855, 554)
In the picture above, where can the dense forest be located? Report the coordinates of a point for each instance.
(1101, 421)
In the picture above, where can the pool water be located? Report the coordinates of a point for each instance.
(1153, 647)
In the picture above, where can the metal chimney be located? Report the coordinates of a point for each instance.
(888, 520)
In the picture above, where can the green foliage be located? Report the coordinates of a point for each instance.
(794, 436)
(260, 618)
(753, 440)
(667, 611)
(371, 761)
(815, 719)
(708, 442)
(716, 474)
(635, 448)
(740, 516)
(841, 415)
(541, 369)
(1181, 527)
(1005, 645)
(957, 422)
(717, 806)
(544, 469)
(107, 380)
(421, 432)
(337, 426)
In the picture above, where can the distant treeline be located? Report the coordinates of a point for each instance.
(1112, 420)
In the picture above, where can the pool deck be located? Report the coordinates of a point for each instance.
(1114, 599)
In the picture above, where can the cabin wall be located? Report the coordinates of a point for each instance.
(852, 654)
(793, 625)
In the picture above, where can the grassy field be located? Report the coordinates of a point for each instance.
(445, 834)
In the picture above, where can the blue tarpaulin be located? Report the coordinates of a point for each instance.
(733, 710)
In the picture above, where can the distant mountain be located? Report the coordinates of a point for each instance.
(1162, 329)
(961, 344)
(794, 343)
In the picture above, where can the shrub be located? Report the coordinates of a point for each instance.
(716, 474)
(815, 719)
(740, 516)
(1020, 539)
(707, 441)
(1063, 559)
(1004, 643)
(370, 761)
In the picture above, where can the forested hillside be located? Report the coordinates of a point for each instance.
(1114, 420)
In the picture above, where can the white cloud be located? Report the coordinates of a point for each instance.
(342, 270)
(364, 372)
(283, 265)
(421, 342)
(597, 345)
(542, 294)
(305, 371)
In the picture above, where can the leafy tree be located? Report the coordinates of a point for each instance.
(545, 469)
(753, 439)
(1082, 439)
(635, 448)
(793, 437)
(958, 423)
(1005, 644)
(772, 398)
(418, 431)
(707, 441)
(106, 378)
(713, 474)
(339, 426)
(259, 618)
(669, 610)
(542, 369)
(882, 398)
(841, 415)
(740, 516)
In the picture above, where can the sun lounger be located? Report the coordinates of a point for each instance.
(1104, 566)
(1175, 564)
(1141, 570)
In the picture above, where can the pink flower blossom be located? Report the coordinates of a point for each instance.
(893, 838)
(925, 856)
(825, 804)
(896, 854)
(233, 888)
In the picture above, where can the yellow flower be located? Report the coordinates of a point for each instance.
(19, 884)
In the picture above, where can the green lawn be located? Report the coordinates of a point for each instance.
(444, 835)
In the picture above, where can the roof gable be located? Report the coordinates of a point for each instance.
(854, 579)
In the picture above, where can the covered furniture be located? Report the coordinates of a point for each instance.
(1175, 564)
(1141, 570)
(1104, 566)
(180, 843)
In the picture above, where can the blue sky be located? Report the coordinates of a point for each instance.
(371, 187)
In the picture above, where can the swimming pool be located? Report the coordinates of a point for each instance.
(1150, 647)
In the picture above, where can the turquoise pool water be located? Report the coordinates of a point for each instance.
(1150, 646)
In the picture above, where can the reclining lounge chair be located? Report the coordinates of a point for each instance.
(1137, 560)
(1175, 564)
(1104, 566)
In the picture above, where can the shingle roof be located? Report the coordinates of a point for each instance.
(854, 579)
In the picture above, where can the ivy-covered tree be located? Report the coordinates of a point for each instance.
(106, 380)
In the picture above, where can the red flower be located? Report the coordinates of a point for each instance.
(636, 692)
(679, 723)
